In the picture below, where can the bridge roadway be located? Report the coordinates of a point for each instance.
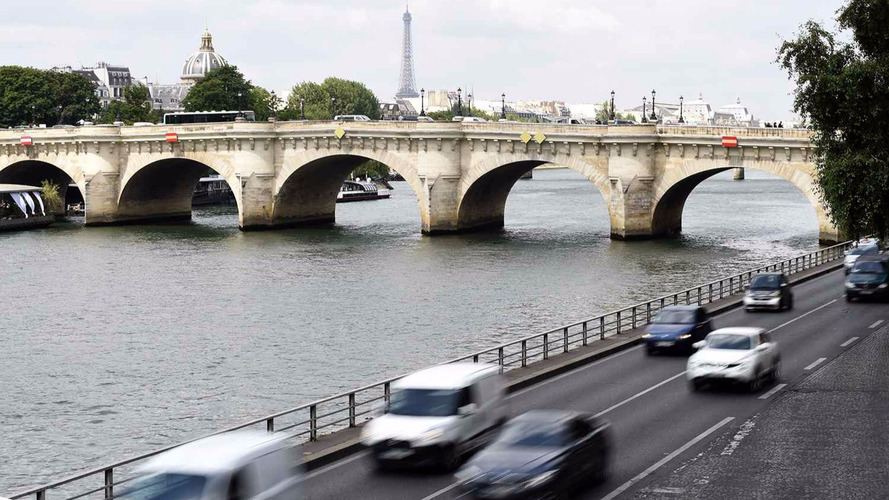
(658, 423)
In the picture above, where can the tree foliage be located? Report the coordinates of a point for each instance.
(218, 91)
(604, 114)
(135, 106)
(333, 96)
(842, 89)
(32, 96)
(52, 198)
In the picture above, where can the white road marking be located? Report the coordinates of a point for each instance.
(773, 391)
(816, 363)
(574, 371)
(660, 463)
(846, 343)
(801, 316)
(441, 492)
(878, 323)
(646, 391)
(334, 465)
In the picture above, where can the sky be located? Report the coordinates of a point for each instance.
(570, 50)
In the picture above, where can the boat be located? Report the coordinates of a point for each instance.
(21, 207)
(212, 190)
(360, 191)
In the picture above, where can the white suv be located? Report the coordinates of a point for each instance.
(735, 355)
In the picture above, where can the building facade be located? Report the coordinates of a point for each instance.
(170, 96)
(109, 80)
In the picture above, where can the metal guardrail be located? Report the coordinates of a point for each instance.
(348, 409)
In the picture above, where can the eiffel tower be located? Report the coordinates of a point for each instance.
(407, 84)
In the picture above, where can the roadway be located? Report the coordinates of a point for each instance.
(657, 421)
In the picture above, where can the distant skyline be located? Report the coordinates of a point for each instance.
(576, 51)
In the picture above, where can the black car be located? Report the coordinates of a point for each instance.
(869, 278)
(677, 327)
(769, 291)
(540, 454)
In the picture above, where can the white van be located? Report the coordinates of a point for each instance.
(438, 415)
(351, 118)
(241, 465)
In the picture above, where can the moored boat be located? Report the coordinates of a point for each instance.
(213, 190)
(21, 207)
(360, 191)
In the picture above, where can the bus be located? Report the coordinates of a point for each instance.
(206, 117)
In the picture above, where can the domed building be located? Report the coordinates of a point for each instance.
(203, 61)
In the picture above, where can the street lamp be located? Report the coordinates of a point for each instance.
(302, 108)
(422, 102)
(240, 113)
(33, 107)
(653, 115)
(612, 105)
(681, 119)
(59, 108)
(469, 101)
(503, 105)
(459, 102)
(332, 106)
(273, 104)
(644, 112)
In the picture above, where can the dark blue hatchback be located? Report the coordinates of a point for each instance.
(677, 328)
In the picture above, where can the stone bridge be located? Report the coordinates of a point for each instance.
(288, 173)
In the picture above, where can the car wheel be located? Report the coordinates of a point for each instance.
(382, 466)
(790, 303)
(756, 383)
(776, 371)
(450, 459)
(848, 298)
(649, 351)
(694, 385)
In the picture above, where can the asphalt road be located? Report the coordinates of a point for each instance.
(657, 421)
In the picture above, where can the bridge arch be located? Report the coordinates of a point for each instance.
(672, 189)
(486, 186)
(307, 183)
(32, 172)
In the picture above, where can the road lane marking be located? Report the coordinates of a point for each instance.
(773, 391)
(660, 463)
(646, 391)
(332, 466)
(878, 323)
(846, 343)
(782, 325)
(816, 363)
(441, 491)
(575, 371)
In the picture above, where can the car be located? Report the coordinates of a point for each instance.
(677, 327)
(868, 278)
(866, 248)
(437, 416)
(540, 454)
(737, 355)
(351, 118)
(221, 466)
(769, 291)
(473, 119)
(425, 118)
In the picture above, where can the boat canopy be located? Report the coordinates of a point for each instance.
(19, 188)
(25, 197)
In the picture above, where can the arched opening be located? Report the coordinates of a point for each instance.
(308, 196)
(34, 172)
(484, 203)
(165, 190)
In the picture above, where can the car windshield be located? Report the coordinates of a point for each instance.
(166, 487)
(766, 282)
(675, 317)
(868, 250)
(728, 341)
(425, 402)
(869, 268)
(535, 434)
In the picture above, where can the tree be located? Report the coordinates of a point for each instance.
(262, 103)
(135, 106)
(841, 90)
(31, 96)
(218, 91)
(334, 96)
(604, 114)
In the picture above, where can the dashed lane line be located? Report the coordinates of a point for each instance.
(846, 343)
(441, 492)
(637, 395)
(876, 324)
(773, 391)
(816, 363)
(801, 316)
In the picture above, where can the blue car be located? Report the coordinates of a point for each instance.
(677, 328)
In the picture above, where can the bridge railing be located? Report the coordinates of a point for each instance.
(786, 133)
(309, 421)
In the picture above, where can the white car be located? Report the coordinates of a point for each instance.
(437, 415)
(740, 355)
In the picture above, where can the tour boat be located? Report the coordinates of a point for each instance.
(360, 191)
(212, 190)
(21, 207)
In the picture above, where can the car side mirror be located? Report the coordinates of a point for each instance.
(700, 344)
(760, 347)
(467, 410)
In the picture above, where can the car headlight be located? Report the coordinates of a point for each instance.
(850, 285)
(430, 435)
(686, 336)
(540, 479)
(882, 285)
(646, 335)
(776, 293)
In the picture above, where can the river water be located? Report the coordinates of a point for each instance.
(116, 341)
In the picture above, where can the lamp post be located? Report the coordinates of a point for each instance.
(273, 107)
(240, 114)
(59, 108)
(503, 105)
(653, 116)
(332, 107)
(644, 112)
(422, 102)
(611, 116)
(459, 102)
(33, 107)
(469, 102)
(302, 108)
(681, 119)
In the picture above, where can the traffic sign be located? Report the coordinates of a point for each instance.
(172, 137)
(729, 141)
(26, 141)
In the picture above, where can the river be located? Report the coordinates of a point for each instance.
(115, 341)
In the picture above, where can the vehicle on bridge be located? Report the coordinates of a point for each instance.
(737, 355)
(223, 466)
(868, 247)
(437, 416)
(186, 117)
(351, 118)
(540, 454)
(769, 291)
(868, 278)
(677, 328)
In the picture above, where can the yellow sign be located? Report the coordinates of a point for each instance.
(525, 137)
(539, 137)
(339, 133)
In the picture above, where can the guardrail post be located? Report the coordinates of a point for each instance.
(109, 484)
(546, 346)
(720, 289)
(585, 333)
(662, 302)
(524, 353)
(41, 495)
(270, 425)
(313, 423)
(387, 393)
(648, 312)
(675, 299)
(565, 335)
(475, 358)
(500, 358)
(709, 292)
(634, 317)
(351, 409)
(602, 327)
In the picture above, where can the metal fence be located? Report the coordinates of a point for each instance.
(308, 421)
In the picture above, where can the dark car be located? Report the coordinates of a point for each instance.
(769, 291)
(869, 278)
(677, 327)
(540, 454)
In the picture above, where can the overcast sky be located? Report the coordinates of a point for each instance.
(572, 50)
